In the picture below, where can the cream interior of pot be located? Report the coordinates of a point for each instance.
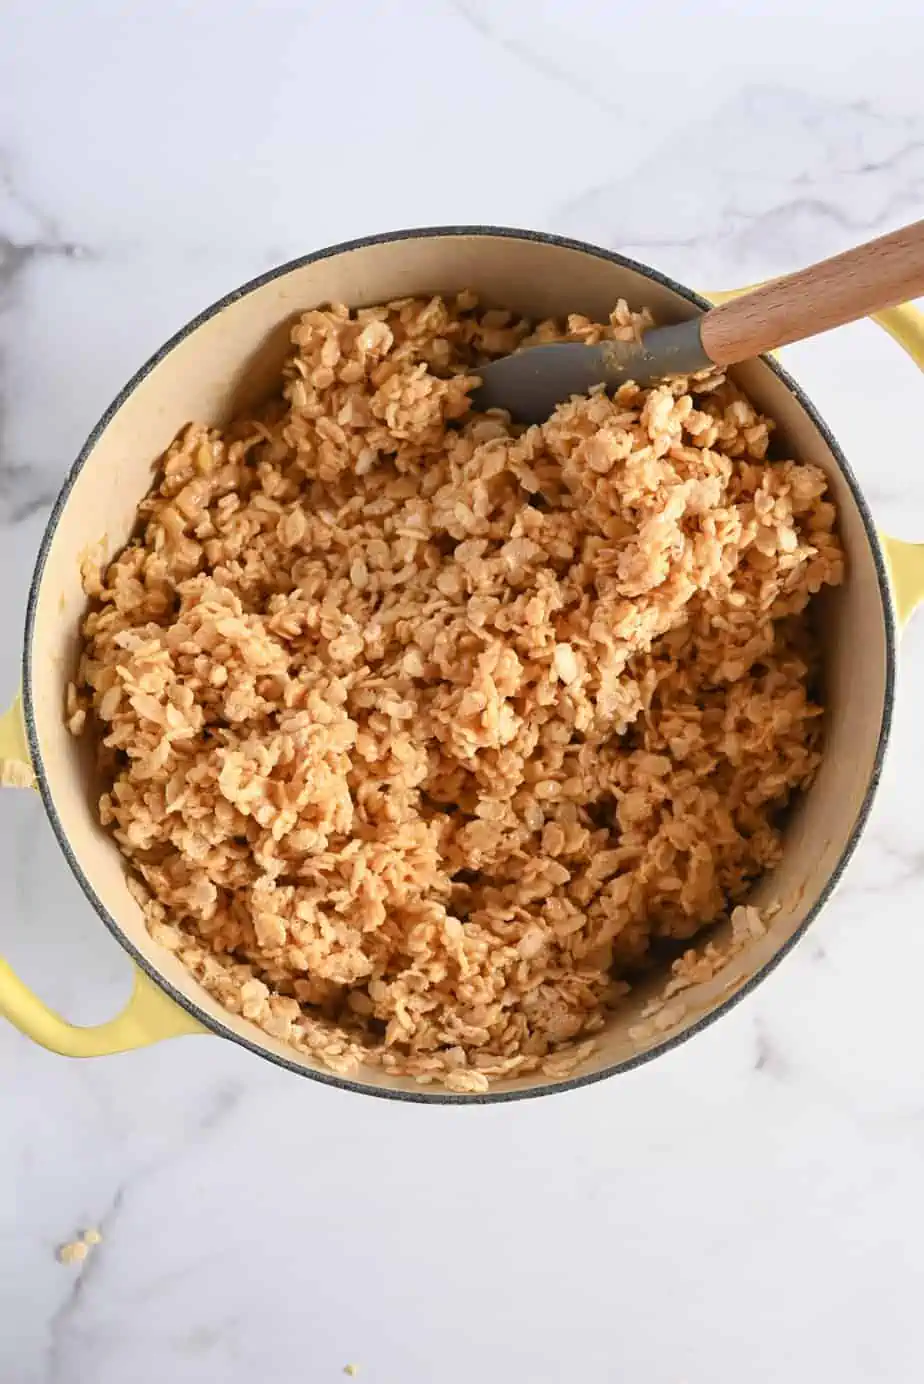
(231, 359)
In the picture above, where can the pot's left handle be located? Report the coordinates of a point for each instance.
(150, 1014)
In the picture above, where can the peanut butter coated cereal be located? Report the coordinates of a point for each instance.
(420, 730)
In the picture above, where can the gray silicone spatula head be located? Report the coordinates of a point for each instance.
(531, 383)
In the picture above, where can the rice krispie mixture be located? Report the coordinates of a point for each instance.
(425, 735)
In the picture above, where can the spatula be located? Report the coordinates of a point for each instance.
(530, 383)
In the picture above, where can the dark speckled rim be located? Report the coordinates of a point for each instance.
(430, 1096)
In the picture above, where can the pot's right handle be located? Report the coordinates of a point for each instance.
(905, 324)
(150, 1014)
(906, 568)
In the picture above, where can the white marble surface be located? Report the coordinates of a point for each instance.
(748, 1209)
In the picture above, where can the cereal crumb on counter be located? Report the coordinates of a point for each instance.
(426, 735)
(75, 1251)
(351, 1370)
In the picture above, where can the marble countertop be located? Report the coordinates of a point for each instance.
(745, 1210)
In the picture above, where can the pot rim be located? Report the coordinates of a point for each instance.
(434, 1095)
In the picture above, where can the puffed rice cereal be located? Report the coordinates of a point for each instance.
(422, 733)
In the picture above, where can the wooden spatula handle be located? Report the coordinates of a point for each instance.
(849, 286)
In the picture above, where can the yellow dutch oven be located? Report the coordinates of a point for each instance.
(222, 362)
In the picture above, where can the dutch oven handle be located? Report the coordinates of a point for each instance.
(905, 324)
(150, 1014)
